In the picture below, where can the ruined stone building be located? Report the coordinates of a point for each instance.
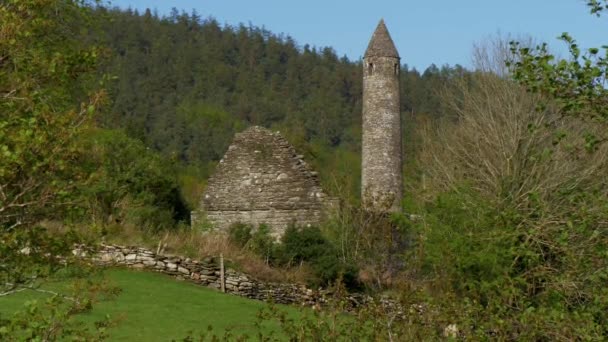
(381, 172)
(262, 179)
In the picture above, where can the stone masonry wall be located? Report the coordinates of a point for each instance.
(381, 172)
(279, 219)
(262, 179)
(206, 272)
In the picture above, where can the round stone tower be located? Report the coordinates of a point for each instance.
(382, 180)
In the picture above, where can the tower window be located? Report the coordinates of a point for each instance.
(370, 68)
(396, 69)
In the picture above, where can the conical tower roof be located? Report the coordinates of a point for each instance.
(381, 44)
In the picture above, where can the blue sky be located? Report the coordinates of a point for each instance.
(424, 31)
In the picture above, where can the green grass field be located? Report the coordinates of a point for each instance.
(155, 307)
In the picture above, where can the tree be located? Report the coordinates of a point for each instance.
(577, 84)
(46, 98)
(45, 75)
(517, 216)
(48, 94)
(129, 183)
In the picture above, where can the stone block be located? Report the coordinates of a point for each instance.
(208, 278)
(145, 258)
(207, 272)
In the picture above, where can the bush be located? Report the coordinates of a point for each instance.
(130, 183)
(308, 245)
(259, 241)
(328, 269)
(263, 244)
(303, 244)
(515, 222)
(298, 246)
(239, 234)
(523, 277)
(375, 241)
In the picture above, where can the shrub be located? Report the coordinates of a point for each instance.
(515, 222)
(527, 275)
(376, 242)
(239, 234)
(329, 269)
(130, 183)
(298, 246)
(259, 241)
(263, 244)
(303, 244)
(308, 245)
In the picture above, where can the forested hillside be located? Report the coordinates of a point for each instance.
(185, 84)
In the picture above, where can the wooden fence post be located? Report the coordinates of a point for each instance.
(222, 278)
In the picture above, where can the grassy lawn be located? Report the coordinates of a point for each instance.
(155, 307)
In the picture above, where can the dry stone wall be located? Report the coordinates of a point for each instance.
(262, 179)
(206, 272)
